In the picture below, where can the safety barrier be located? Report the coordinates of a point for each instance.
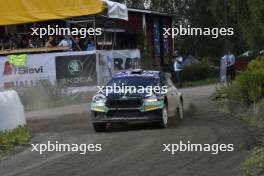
(11, 111)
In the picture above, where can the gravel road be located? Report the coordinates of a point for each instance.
(137, 150)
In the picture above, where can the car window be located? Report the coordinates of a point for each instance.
(169, 81)
(163, 81)
(134, 81)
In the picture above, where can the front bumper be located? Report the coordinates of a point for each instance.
(148, 112)
(126, 120)
(126, 116)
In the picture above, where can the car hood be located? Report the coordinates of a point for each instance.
(115, 96)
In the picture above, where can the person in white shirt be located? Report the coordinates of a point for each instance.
(65, 42)
(231, 65)
(178, 68)
(223, 67)
(50, 43)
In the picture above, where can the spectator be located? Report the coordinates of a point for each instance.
(1, 45)
(77, 44)
(90, 45)
(13, 37)
(8, 45)
(23, 44)
(30, 43)
(178, 68)
(19, 40)
(66, 42)
(39, 42)
(231, 68)
(223, 66)
(50, 43)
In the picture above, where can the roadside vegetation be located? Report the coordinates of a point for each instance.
(203, 73)
(255, 164)
(10, 139)
(207, 81)
(245, 100)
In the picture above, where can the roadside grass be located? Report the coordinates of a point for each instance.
(245, 100)
(12, 138)
(254, 121)
(253, 116)
(254, 166)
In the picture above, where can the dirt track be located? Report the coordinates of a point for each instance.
(137, 150)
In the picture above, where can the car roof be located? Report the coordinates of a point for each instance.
(138, 73)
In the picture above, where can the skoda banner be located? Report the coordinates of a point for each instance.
(72, 69)
(76, 70)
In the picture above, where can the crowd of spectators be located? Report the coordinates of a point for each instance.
(14, 41)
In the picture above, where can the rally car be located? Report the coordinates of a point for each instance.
(136, 96)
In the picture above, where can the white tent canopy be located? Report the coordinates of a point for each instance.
(116, 10)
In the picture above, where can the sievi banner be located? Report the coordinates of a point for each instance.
(38, 68)
(74, 69)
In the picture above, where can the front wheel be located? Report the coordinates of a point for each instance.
(180, 111)
(164, 116)
(99, 127)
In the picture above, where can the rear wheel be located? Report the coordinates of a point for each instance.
(99, 127)
(164, 116)
(180, 111)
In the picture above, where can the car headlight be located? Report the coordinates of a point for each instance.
(151, 99)
(100, 99)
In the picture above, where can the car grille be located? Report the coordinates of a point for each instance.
(127, 113)
(124, 103)
(131, 113)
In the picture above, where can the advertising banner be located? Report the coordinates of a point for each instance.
(105, 66)
(126, 59)
(165, 45)
(73, 69)
(110, 62)
(156, 33)
(37, 68)
(76, 70)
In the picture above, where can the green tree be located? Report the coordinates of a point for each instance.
(246, 16)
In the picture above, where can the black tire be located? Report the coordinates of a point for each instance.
(99, 127)
(180, 111)
(164, 117)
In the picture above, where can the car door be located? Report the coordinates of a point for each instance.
(171, 94)
(172, 97)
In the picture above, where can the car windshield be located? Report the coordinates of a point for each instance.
(134, 81)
